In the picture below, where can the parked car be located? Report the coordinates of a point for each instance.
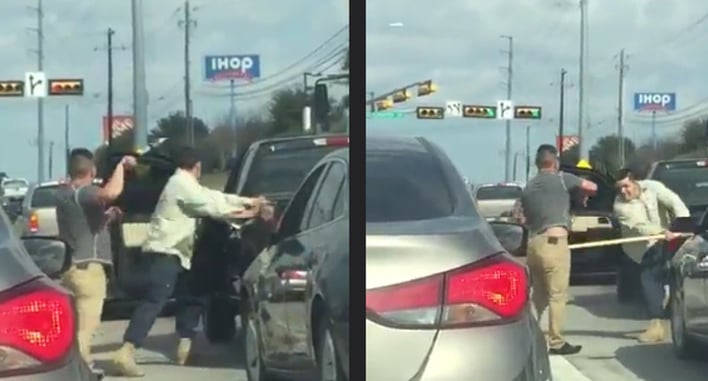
(689, 290)
(14, 188)
(295, 295)
(496, 201)
(686, 177)
(273, 168)
(38, 216)
(444, 299)
(37, 317)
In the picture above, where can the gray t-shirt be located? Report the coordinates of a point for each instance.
(81, 218)
(546, 200)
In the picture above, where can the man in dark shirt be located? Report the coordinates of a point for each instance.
(545, 206)
(82, 217)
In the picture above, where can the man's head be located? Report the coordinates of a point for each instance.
(188, 160)
(81, 164)
(627, 184)
(547, 157)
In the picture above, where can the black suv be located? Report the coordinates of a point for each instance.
(273, 168)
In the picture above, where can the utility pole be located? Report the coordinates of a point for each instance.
(620, 109)
(109, 112)
(40, 101)
(67, 148)
(582, 99)
(372, 95)
(528, 152)
(51, 156)
(140, 95)
(509, 76)
(187, 24)
(560, 117)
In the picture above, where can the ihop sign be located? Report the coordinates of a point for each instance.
(234, 66)
(654, 101)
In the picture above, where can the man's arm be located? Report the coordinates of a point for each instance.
(671, 201)
(197, 201)
(518, 212)
(114, 187)
(634, 222)
(573, 182)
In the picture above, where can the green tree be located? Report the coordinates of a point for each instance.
(604, 155)
(693, 135)
(174, 127)
(285, 111)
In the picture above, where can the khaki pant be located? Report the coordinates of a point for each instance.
(548, 259)
(89, 288)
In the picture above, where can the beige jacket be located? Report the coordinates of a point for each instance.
(173, 223)
(646, 215)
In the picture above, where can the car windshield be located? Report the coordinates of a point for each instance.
(14, 184)
(691, 184)
(499, 192)
(44, 197)
(282, 171)
(407, 187)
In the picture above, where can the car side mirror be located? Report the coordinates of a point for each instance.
(684, 225)
(51, 255)
(513, 237)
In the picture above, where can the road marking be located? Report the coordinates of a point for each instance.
(563, 370)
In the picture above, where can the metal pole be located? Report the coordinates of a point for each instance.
(232, 111)
(140, 96)
(187, 99)
(581, 79)
(513, 176)
(653, 130)
(67, 149)
(620, 111)
(40, 101)
(560, 117)
(109, 114)
(373, 104)
(509, 74)
(528, 152)
(51, 156)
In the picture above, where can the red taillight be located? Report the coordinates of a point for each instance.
(33, 223)
(335, 141)
(490, 291)
(37, 326)
(293, 275)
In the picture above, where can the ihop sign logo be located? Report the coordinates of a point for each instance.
(234, 66)
(654, 101)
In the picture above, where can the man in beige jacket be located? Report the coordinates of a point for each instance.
(639, 208)
(169, 241)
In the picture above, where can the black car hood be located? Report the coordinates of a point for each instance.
(605, 197)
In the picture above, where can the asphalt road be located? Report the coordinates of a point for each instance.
(610, 353)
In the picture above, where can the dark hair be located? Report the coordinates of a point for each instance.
(82, 153)
(187, 158)
(549, 148)
(80, 162)
(545, 155)
(625, 173)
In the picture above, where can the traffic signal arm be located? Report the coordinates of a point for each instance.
(426, 88)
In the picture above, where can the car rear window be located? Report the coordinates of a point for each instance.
(405, 187)
(44, 197)
(500, 192)
(688, 179)
(282, 171)
(14, 184)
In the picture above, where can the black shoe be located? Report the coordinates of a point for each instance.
(566, 349)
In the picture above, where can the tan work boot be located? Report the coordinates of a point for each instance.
(655, 333)
(183, 349)
(123, 362)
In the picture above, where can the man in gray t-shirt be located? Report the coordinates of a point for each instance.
(545, 209)
(82, 218)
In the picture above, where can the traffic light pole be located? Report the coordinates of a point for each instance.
(109, 113)
(509, 75)
(560, 117)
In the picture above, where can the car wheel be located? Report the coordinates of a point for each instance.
(255, 369)
(328, 365)
(628, 284)
(220, 323)
(685, 347)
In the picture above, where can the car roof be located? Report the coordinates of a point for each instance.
(340, 154)
(286, 139)
(396, 144)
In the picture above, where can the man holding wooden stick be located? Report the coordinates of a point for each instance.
(545, 210)
(638, 208)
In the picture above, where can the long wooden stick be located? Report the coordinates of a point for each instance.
(619, 241)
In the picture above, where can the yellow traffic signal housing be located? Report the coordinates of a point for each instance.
(66, 87)
(527, 112)
(426, 88)
(430, 112)
(12, 88)
(384, 104)
(485, 112)
(401, 96)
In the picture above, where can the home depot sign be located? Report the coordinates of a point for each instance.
(121, 125)
(567, 142)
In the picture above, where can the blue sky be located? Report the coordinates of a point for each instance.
(280, 31)
(458, 46)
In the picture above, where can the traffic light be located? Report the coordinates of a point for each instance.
(485, 112)
(427, 87)
(401, 96)
(66, 87)
(384, 104)
(430, 112)
(12, 88)
(527, 112)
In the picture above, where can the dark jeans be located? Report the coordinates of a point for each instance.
(653, 277)
(166, 277)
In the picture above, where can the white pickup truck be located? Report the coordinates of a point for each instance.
(14, 188)
(496, 201)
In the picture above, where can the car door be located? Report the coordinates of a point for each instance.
(692, 262)
(271, 289)
(297, 265)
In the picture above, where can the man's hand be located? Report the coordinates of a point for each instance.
(243, 214)
(128, 162)
(113, 214)
(670, 236)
